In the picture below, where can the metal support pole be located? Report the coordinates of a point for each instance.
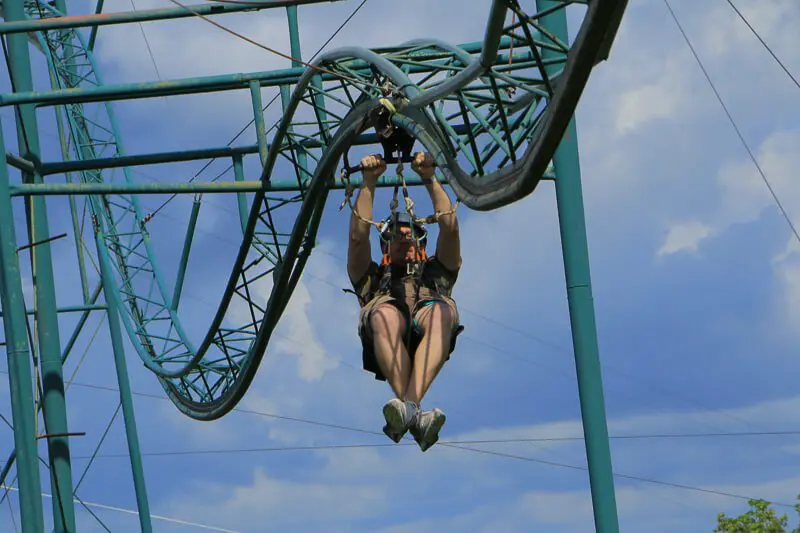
(241, 198)
(571, 216)
(45, 305)
(208, 187)
(294, 35)
(125, 395)
(144, 15)
(258, 117)
(19, 362)
(187, 247)
(297, 56)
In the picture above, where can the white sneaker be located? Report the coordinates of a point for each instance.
(399, 417)
(426, 426)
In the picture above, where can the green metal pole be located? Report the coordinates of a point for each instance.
(144, 15)
(208, 187)
(19, 364)
(575, 250)
(93, 34)
(294, 35)
(187, 247)
(258, 117)
(125, 394)
(54, 402)
(238, 175)
(297, 57)
(64, 355)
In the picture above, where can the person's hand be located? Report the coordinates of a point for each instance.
(372, 166)
(423, 165)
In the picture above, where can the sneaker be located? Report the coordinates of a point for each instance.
(399, 417)
(425, 429)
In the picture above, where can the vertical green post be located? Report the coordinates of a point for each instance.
(19, 362)
(238, 175)
(125, 395)
(45, 306)
(187, 247)
(297, 57)
(294, 35)
(575, 249)
(258, 117)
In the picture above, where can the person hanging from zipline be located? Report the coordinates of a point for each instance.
(408, 321)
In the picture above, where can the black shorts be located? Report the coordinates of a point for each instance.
(368, 359)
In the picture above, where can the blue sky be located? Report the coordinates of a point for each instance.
(696, 283)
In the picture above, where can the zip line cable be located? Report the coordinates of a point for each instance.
(532, 440)
(733, 123)
(460, 445)
(485, 441)
(766, 46)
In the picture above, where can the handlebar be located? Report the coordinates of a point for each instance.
(388, 160)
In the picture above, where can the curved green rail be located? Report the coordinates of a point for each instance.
(492, 120)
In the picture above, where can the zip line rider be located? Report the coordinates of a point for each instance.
(406, 281)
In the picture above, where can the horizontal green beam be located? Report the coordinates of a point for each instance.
(145, 15)
(200, 84)
(62, 167)
(66, 189)
(72, 309)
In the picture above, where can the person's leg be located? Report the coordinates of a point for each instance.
(436, 323)
(387, 327)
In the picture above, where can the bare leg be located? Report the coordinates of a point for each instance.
(436, 322)
(388, 324)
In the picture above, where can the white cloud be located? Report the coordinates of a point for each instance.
(312, 359)
(666, 97)
(724, 32)
(743, 194)
(787, 269)
(685, 236)
(279, 503)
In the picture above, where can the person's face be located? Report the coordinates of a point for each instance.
(402, 249)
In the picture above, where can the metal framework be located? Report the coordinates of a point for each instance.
(493, 113)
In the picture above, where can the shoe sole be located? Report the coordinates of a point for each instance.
(394, 420)
(425, 444)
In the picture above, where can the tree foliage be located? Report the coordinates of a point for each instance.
(759, 519)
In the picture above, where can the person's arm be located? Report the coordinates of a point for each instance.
(448, 245)
(359, 253)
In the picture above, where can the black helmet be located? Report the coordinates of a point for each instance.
(401, 219)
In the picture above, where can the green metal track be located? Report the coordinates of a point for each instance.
(491, 115)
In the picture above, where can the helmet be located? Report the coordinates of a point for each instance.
(402, 219)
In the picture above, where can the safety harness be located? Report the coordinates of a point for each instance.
(397, 147)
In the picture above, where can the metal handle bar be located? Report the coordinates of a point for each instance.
(388, 160)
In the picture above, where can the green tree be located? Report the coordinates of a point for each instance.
(759, 519)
